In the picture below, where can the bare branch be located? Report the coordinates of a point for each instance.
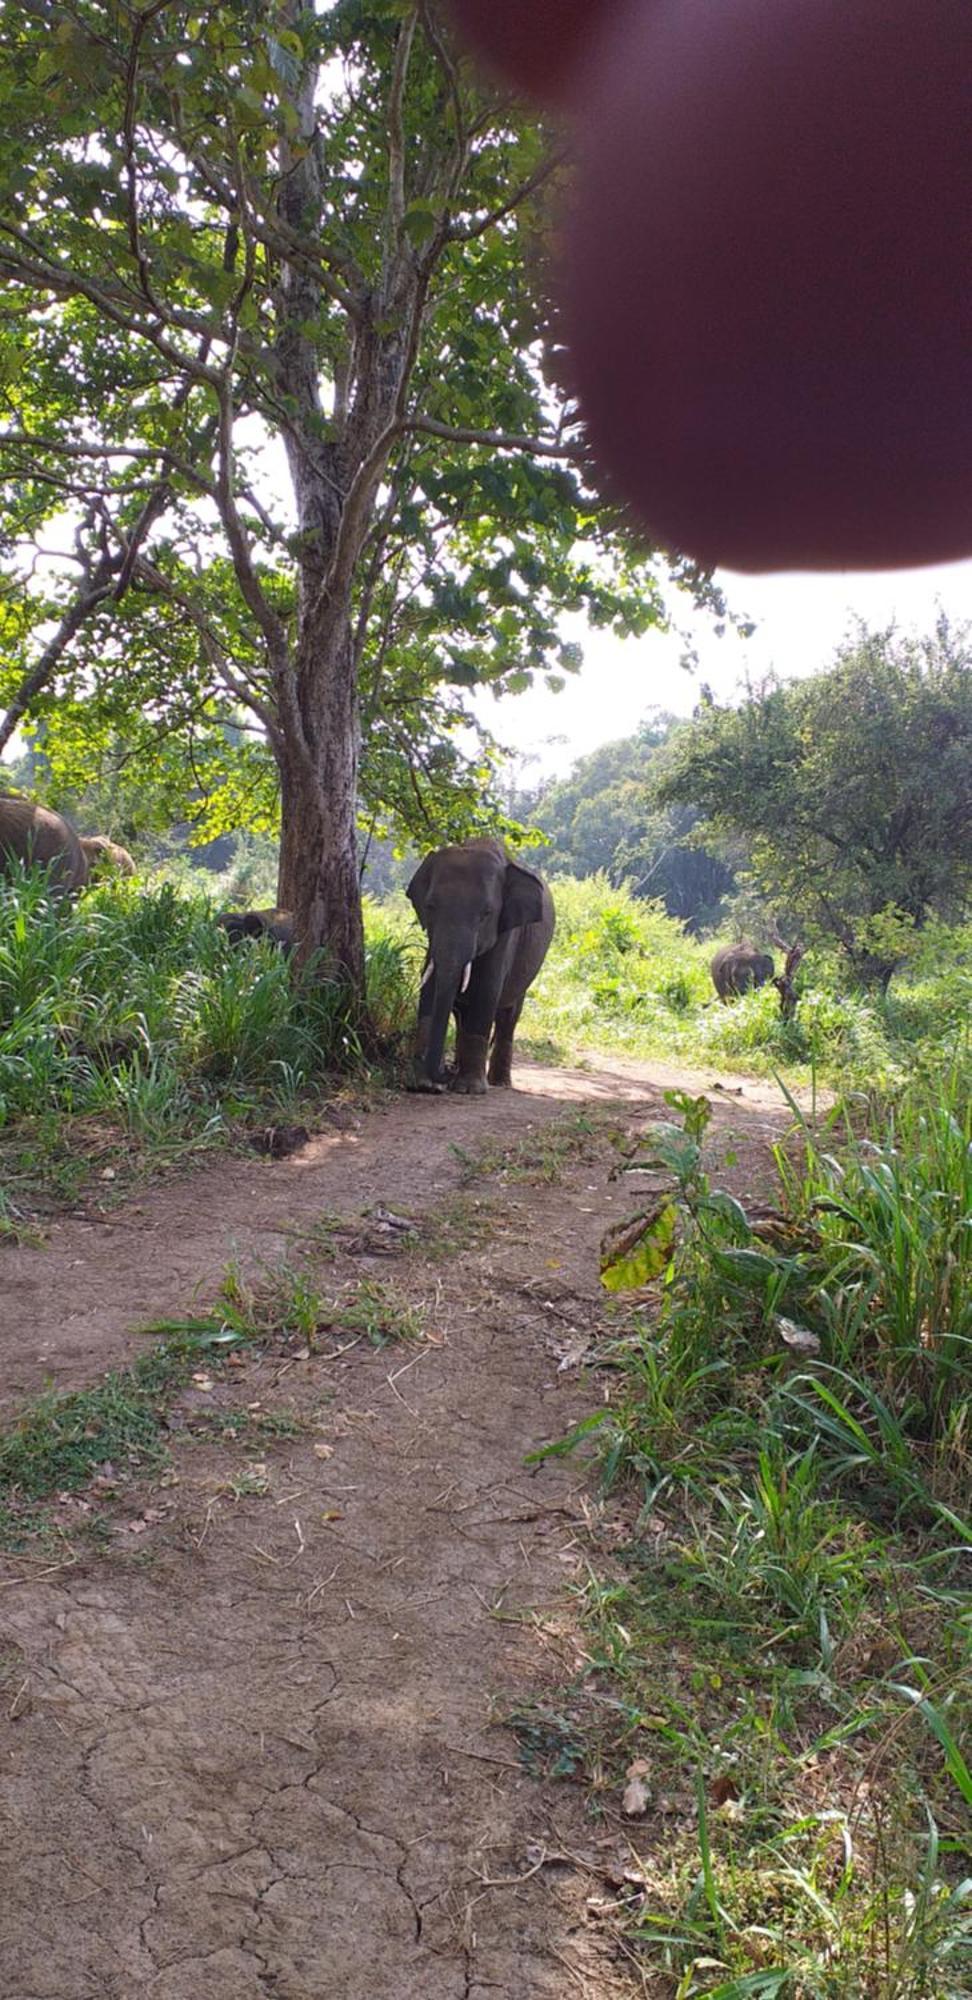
(93, 591)
(473, 230)
(499, 440)
(396, 130)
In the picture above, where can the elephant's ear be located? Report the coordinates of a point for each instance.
(522, 898)
(419, 886)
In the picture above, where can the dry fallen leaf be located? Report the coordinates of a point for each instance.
(799, 1338)
(323, 1451)
(574, 1353)
(635, 1798)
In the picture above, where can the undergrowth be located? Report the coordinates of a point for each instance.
(623, 976)
(131, 1029)
(778, 1653)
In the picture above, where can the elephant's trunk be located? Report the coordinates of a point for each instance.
(453, 966)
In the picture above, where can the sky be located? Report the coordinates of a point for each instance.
(800, 620)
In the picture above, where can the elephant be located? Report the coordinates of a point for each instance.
(738, 967)
(32, 833)
(489, 923)
(105, 857)
(277, 925)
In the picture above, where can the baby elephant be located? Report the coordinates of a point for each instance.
(277, 925)
(737, 967)
(105, 857)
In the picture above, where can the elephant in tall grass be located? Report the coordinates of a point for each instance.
(738, 967)
(277, 925)
(37, 836)
(105, 857)
(489, 923)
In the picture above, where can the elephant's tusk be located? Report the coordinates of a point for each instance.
(466, 976)
(427, 974)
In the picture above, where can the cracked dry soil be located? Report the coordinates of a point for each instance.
(255, 1750)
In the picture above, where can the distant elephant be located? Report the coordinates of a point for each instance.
(105, 857)
(489, 923)
(738, 967)
(34, 834)
(277, 925)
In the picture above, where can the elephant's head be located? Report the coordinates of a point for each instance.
(105, 857)
(276, 925)
(466, 899)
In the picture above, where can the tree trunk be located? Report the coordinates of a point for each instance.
(318, 872)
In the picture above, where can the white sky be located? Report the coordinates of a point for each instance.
(800, 620)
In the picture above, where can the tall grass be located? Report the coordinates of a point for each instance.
(787, 1632)
(132, 1007)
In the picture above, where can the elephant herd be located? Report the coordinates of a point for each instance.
(31, 833)
(488, 923)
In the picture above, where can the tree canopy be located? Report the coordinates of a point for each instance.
(853, 790)
(605, 817)
(280, 387)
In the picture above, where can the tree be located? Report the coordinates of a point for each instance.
(604, 817)
(278, 220)
(853, 789)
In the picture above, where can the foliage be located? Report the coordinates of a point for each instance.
(623, 976)
(781, 1647)
(129, 1026)
(268, 238)
(853, 790)
(603, 819)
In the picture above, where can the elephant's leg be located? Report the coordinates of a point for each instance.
(469, 1077)
(501, 1059)
(475, 1017)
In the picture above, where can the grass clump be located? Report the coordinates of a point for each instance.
(781, 1647)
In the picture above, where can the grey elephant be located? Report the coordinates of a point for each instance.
(277, 925)
(738, 967)
(35, 835)
(105, 857)
(489, 923)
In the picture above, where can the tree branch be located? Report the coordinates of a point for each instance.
(473, 230)
(499, 440)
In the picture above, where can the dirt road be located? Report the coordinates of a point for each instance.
(254, 1749)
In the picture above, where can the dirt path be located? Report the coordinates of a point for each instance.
(254, 1751)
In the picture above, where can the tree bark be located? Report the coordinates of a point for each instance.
(318, 870)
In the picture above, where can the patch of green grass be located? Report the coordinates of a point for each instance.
(59, 1441)
(543, 1156)
(377, 1311)
(287, 1301)
(461, 1222)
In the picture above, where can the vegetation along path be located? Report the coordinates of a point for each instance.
(254, 1675)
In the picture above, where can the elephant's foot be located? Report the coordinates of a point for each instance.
(470, 1076)
(468, 1086)
(425, 1086)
